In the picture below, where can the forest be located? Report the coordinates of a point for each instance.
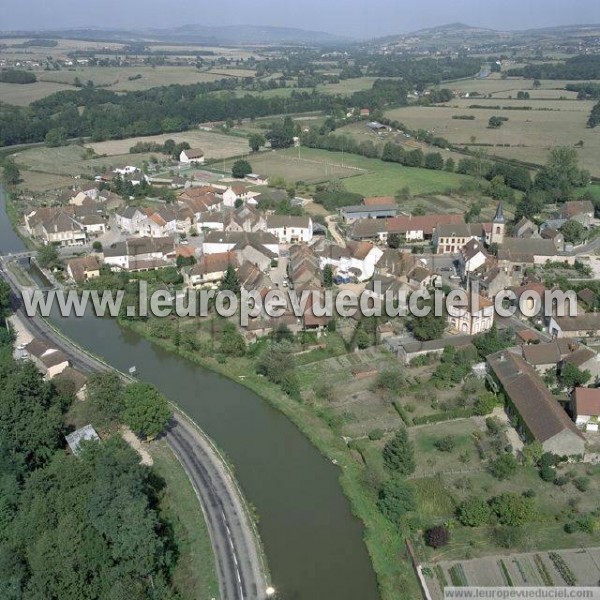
(72, 527)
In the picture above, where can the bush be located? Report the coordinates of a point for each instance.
(376, 434)
(512, 509)
(547, 473)
(437, 536)
(445, 444)
(474, 512)
(582, 483)
(504, 466)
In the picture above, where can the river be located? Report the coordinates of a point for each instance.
(313, 543)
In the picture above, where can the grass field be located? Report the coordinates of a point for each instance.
(22, 95)
(365, 176)
(348, 86)
(117, 78)
(215, 145)
(45, 169)
(528, 135)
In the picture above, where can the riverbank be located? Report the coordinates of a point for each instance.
(385, 544)
(10, 207)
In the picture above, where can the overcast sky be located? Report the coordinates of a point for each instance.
(356, 18)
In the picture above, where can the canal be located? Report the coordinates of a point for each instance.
(313, 542)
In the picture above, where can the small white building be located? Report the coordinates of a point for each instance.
(192, 155)
(289, 229)
(129, 219)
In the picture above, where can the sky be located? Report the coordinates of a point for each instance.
(353, 18)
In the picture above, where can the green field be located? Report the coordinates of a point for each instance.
(22, 95)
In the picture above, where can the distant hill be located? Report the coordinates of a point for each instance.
(460, 34)
(197, 34)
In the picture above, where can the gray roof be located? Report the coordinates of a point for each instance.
(84, 434)
(278, 221)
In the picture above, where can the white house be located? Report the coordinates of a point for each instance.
(50, 361)
(192, 155)
(358, 258)
(129, 219)
(223, 241)
(289, 229)
(210, 269)
(586, 408)
(472, 256)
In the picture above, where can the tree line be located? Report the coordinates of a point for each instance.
(577, 67)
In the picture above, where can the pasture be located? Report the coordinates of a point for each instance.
(22, 95)
(528, 135)
(215, 145)
(118, 78)
(347, 86)
(51, 168)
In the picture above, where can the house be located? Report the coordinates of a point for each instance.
(55, 225)
(524, 228)
(304, 268)
(85, 434)
(412, 228)
(472, 256)
(548, 355)
(84, 268)
(290, 229)
(580, 326)
(585, 405)
(210, 269)
(476, 317)
(580, 210)
(520, 252)
(256, 254)
(50, 361)
(449, 239)
(159, 223)
(257, 179)
(490, 280)
(129, 219)
(549, 233)
(588, 297)
(368, 211)
(192, 155)
(217, 241)
(358, 258)
(252, 278)
(141, 254)
(535, 412)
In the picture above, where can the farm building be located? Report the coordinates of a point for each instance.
(534, 411)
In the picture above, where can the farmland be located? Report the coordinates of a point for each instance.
(22, 95)
(118, 78)
(527, 135)
(215, 145)
(527, 569)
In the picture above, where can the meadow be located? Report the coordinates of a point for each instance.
(527, 135)
(22, 95)
(214, 144)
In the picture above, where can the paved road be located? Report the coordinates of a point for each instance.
(239, 566)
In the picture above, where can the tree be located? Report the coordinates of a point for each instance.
(437, 536)
(512, 509)
(428, 327)
(573, 231)
(393, 241)
(146, 410)
(434, 160)
(561, 174)
(395, 499)
(504, 466)
(11, 175)
(495, 122)
(398, 453)
(327, 276)
(5, 301)
(97, 246)
(230, 281)
(48, 256)
(282, 134)
(56, 136)
(572, 376)
(449, 165)
(532, 453)
(255, 141)
(232, 342)
(240, 169)
(474, 512)
(537, 83)
(105, 393)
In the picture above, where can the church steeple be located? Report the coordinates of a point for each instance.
(497, 234)
(499, 216)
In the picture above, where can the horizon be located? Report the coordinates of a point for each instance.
(338, 18)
